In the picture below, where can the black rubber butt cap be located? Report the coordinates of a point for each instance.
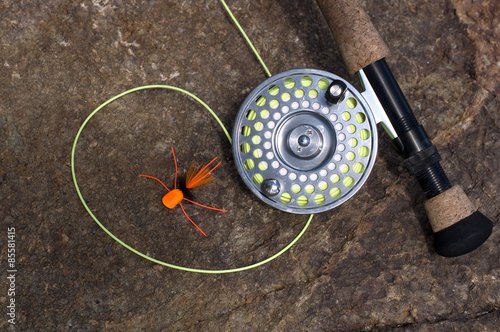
(463, 236)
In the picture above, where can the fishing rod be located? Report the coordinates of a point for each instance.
(457, 225)
(305, 140)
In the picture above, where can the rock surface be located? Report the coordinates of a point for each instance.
(368, 265)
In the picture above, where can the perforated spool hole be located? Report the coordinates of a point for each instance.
(261, 101)
(258, 178)
(309, 188)
(335, 192)
(323, 185)
(257, 153)
(306, 81)
(289, 83)
(274, 90)
(346, 116)
(319, 199)
(263, 165)
(299, 93)
(251, 115)
(364, 134)
(286, 198)
(364, 151)
(302, 201)
(246, 131)
(348, 182)
(351, 103)
(245, 147)
(264, 114)
(360, 118)
(312, 93)
(358, 167)
(296, 188)
(249, 164)
(323, 84)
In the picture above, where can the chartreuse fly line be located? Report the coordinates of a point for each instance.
(168, 87)
(249, 42)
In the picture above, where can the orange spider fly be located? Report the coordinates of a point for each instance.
(195, 177)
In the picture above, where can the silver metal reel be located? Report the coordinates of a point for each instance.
(305, 141)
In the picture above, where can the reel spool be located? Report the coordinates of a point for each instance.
(305, 141)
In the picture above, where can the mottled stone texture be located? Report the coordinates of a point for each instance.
(367, 265)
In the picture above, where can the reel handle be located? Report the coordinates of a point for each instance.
(457, 225)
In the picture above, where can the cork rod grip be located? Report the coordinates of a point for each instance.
(359, 42)
(448, 208)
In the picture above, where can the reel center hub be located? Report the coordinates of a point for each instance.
(305, 141)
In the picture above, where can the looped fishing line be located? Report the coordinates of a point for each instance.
(135, 251)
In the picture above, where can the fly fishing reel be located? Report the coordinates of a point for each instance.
(305, 141)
